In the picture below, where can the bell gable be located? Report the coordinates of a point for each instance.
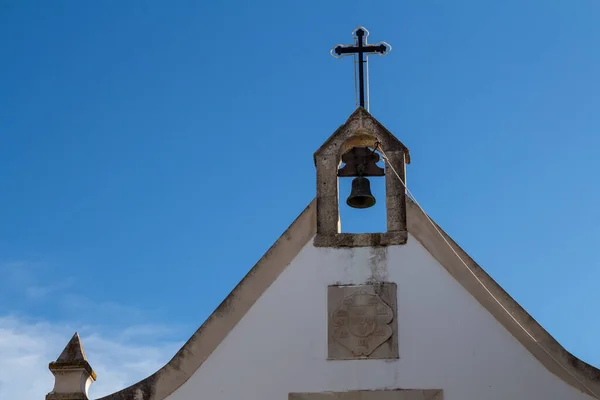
(360, 132)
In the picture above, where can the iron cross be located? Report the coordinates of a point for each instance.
(361, 48)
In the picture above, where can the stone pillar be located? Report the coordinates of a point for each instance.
(328, 218)
(73, 375)
(395, 191)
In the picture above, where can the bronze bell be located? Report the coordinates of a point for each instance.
(360, 196)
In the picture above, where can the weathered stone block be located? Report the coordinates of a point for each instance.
(394, 394)
(360, 239)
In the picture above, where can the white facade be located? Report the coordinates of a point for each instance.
(451, 332)
(447, 340)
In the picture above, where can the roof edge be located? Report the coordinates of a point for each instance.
(218, 325)
(505, 309)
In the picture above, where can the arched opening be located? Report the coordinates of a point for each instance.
(370, 219)
(384, 224)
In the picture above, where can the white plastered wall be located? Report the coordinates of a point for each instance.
(447, 340)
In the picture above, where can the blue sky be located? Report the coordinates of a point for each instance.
(140, 141)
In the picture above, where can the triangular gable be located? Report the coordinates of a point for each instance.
(479, 284)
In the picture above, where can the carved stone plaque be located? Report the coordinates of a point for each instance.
(362, 322)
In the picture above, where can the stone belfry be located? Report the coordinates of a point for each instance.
(355, 143)
(354, 140)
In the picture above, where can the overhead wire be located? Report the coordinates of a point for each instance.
(414, 199)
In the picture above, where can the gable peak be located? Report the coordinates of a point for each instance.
(361, 129)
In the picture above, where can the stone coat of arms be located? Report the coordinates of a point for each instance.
(361, 323)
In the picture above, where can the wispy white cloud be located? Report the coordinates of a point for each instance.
(26, 348)
(28, 278)
(139, 332)
(18, 273)
(129, 352)
(79, 304)
(38, 292)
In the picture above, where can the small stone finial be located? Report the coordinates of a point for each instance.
(73, 375)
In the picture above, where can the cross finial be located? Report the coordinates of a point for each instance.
(361, 49)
